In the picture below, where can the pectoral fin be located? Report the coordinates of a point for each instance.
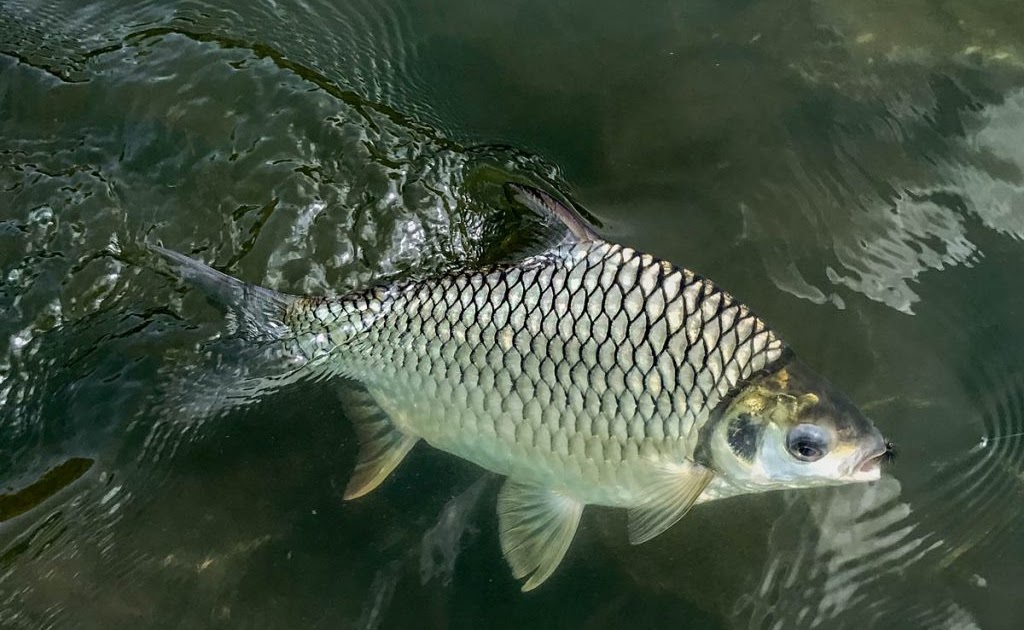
(536, 526)
(381, 446)
(672, 491)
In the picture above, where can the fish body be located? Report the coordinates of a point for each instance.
(587, 374)
(582, 369)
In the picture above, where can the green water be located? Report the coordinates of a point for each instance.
(853, 171)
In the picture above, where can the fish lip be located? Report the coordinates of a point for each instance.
(870, 468)
(871, 461)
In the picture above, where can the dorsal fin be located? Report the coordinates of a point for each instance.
(552, 212)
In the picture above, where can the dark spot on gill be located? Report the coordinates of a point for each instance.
(702, 455)
(744, 436)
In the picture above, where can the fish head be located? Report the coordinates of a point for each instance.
(791, 428)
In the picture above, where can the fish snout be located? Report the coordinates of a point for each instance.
(868, 467)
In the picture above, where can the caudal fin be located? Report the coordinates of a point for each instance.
(255, 312)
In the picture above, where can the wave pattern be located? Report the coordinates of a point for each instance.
(367, 47)
(148, 479)
(860, 556)
(102, 359)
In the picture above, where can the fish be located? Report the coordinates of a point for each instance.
(585, 373)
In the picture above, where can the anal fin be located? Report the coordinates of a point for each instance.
(536, 526)
(671, 493)
(382, 446)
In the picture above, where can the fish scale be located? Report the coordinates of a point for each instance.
(587, 374)
(533, 370)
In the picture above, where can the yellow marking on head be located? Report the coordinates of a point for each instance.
(783, 377)
(843, 450)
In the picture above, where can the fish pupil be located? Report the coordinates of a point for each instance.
(807, 442)
(807, 451)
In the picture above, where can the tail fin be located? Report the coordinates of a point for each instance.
(255, 312)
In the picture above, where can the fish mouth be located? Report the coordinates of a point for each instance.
(870, 469)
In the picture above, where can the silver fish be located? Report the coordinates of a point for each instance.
(589, 373)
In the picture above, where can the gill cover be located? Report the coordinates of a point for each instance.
(792, 428)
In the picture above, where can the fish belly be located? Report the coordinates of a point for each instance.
(591, 469)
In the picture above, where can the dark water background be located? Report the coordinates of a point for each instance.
(854, 171)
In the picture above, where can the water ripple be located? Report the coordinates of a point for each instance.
(290, 144)
(858, 556)
(107, 360)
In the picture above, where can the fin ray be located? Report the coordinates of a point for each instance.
(256, 312)
(550, 209)
(382, 447)
(673, 491)
(536, 526)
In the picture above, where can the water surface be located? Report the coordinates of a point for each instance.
(853, 171)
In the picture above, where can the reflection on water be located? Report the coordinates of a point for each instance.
(854, 171)
(52, 482)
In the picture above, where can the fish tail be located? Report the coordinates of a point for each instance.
(253, 311)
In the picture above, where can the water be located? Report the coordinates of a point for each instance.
(853, 171)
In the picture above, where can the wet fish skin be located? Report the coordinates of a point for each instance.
(589, 373)
(570, 369)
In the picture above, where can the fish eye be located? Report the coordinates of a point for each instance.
(807, 442)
